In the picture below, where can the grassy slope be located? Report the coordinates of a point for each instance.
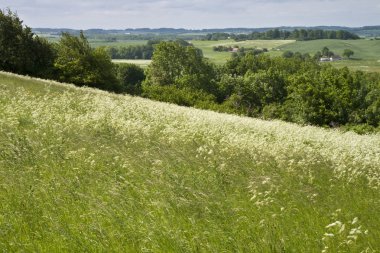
(84, 170)
(366, 57)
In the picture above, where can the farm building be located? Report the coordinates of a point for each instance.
(332, 58)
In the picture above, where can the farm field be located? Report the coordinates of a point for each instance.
(141, 63)
(86, 170)
(222, 57)
(366, 57)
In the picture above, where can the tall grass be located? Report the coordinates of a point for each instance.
(85, 170)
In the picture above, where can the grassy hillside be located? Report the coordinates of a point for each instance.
(84, 170)
(366, 57)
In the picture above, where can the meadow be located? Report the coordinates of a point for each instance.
(86, 170)
(366, 57)
(222, 57)
(142, 63)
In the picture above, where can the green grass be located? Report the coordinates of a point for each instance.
(366, 57)
(141, 63)
(83, 170)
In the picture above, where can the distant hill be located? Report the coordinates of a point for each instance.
(364, 31)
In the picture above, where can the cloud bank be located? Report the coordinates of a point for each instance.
(120, 14)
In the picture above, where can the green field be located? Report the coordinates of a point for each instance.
(82, 170)
(222, 57)
(141, 63)
(366, 57)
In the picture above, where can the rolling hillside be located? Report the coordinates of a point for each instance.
(85, 170)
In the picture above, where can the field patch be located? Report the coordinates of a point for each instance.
(366, 52)
(141, 63)
(222, 57)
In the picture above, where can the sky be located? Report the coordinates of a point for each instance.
(193, 14)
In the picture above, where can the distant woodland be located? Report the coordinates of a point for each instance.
(277, 34)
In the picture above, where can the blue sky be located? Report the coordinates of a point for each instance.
(193, 14)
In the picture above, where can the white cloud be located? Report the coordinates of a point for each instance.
(193, 13)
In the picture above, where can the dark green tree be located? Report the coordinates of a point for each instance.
(21, 50)
(287, 54)
(348, 53)
(326, 52)
(80, 64)
(131, 77)
(181, 66)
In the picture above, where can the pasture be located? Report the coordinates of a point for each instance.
(141, 63)
(222, 57)
(82, 170)
(366, 57)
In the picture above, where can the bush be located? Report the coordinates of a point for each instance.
(130, 77)
(180, 96)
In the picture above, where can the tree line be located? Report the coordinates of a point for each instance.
(133, 51)
(143, 52)
(277, 34)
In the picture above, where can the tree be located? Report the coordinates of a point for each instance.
(131, 77)
(287, 54)
(348, 53)
(78, 63)
(317, 55)
(181, 66)
(21, 50)
(326, 52)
